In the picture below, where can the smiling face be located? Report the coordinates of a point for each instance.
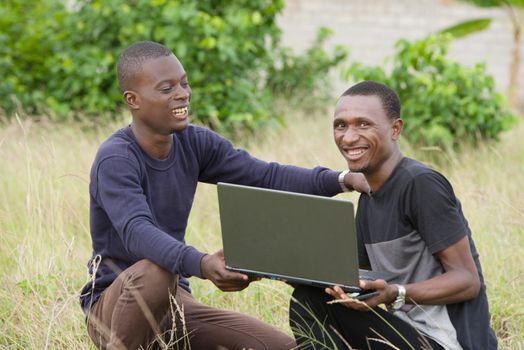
(159, 96)
(364, 134)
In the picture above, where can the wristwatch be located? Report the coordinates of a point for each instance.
(341, 177)
(401, 298)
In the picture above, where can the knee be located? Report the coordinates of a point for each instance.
(150, 275)
(280, 341)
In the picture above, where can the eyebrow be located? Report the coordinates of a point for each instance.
(356, 119)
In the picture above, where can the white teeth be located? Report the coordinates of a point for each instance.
(356, 152)
(179, 111)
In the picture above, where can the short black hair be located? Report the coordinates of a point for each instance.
(388, 97)
(131, 60)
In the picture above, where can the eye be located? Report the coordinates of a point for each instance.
(338, 125)
(166, 89)
(363, 124)
(184, 84)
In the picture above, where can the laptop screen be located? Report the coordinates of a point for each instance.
(279, 234)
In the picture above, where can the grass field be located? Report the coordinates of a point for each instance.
(45, 244)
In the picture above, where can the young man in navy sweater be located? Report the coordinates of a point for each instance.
(143, 181)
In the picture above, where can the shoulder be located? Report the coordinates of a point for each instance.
(412, 168)
(427, 190)
(416, 174)
(202, 141)
(117, 157)
(117, 144)
(121, 148)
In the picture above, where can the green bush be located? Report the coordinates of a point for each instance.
(443, 103)
(27, 40)
(307, 75)
(60, 61)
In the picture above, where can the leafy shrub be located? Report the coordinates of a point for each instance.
(442, 102)
(61, 61)
(307, 75)
(27, 40)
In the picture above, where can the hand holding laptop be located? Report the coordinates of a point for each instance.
(373, 293)
(213, 268)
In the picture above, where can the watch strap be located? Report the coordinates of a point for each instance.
(400, 300)
(341, 177)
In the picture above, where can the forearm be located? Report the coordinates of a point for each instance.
(318, 181)
(459, 282)
(448, 288)
(146, 241)
(243, 169)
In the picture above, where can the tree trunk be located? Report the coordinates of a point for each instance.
(515, 59)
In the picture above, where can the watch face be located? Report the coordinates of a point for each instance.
(398, 304)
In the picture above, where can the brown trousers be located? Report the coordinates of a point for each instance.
(144, 309)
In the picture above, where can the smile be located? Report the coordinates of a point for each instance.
(355, 153)
(179, 111)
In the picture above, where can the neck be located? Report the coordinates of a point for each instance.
(157, 146)
(379, 177)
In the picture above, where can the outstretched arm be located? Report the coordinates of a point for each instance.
(219, 161)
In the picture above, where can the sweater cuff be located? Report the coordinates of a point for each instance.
(192, 260)
(332, 184)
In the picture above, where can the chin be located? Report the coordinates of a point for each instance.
(356, 168)
(180, 127)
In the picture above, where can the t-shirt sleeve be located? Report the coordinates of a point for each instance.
(435, 211)
(221, 162)
(119, 192)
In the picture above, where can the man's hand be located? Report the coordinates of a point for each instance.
(386, 294)
(357, 182)
(213, 268)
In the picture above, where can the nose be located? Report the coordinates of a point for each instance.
(182, 93)
(350, 136)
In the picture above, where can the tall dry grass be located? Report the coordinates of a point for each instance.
(45, 244)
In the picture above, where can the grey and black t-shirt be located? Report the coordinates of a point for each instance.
(414, 215)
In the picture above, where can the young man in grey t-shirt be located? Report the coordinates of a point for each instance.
(411, 225)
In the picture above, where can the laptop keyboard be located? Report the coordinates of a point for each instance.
(366, 275)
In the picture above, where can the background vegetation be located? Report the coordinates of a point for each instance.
(60, 61)
(443, 103)
(515, 13)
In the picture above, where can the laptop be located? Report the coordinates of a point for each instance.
(291, 237)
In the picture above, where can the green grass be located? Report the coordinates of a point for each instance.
(45, 244)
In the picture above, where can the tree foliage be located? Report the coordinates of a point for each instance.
(466, 28)
(61, 61)
(512, 9)
(496, 3)
(305, 74)
(443, 103)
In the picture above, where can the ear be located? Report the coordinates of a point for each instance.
(132, 99)
(396, 129)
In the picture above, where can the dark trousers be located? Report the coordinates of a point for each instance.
(143, 308)
(318, 325)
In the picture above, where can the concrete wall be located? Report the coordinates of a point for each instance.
(371, 27)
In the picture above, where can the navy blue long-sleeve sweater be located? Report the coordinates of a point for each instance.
(139, 206)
